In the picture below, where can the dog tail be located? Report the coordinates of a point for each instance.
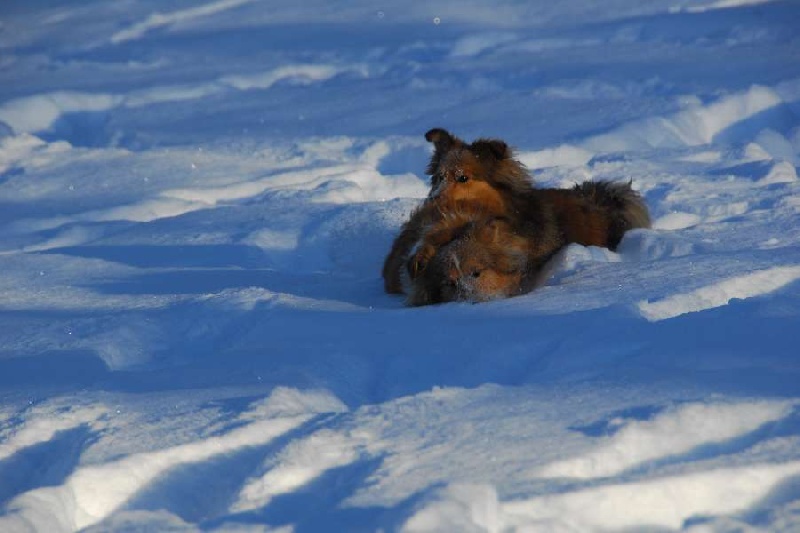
(625, 207)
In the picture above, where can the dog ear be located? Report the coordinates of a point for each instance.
(440, 138)
(494, 147)
(443, 142)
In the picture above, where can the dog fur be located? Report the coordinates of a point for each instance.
(471, 256)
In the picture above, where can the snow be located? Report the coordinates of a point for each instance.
(40, 112)
(721, 293)
(668, 503)
(690, 426)
(159, 20)
(196, 202)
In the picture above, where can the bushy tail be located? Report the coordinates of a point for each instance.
(625, 207)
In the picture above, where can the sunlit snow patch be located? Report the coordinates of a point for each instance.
(40, 112)
(160, 20)
(302, 462)
(668, 434)
(565, 155)
(676, 221)
(719, 294)
(469, 508)
(662, 502)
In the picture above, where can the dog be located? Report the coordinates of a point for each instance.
(485, 180)
(468, 255)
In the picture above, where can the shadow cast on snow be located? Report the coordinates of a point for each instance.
(351, 276)
(319, 505)
(203, 491)
(177, 256)
(609, 425)
(776, 509)
(366, 356)
(44, 464)
(53, 370)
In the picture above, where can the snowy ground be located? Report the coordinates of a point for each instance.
(196, 200)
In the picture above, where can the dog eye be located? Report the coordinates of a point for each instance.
(476, 274)
(462, 179)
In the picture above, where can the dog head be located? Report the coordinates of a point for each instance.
(447, 221)
(484, 170)
(484, 260)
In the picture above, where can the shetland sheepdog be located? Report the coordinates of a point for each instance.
(482, 184)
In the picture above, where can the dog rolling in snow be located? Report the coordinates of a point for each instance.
(485, 180)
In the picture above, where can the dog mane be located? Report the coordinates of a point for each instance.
(506, 171)
(460, 212)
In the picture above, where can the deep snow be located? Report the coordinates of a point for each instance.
(196, 199)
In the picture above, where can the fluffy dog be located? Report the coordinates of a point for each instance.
(483, 181)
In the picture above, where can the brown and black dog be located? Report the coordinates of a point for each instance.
(472, 184)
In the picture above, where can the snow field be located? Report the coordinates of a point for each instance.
(196, 204)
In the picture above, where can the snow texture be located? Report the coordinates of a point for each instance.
(197, 198)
